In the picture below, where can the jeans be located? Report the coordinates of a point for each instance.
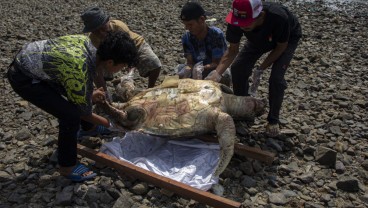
(42, 95)
(242, 67)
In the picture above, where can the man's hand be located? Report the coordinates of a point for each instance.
(214, 76)
(185, 72)
(256, 80)
(197, 70)
(257, 74)
(115, 127)
(98, 96)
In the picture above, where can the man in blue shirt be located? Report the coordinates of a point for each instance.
(203, 45)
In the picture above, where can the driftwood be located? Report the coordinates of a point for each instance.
(172, 185)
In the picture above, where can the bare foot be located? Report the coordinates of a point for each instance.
(272, 130)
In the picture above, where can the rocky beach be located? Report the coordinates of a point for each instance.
(321, 156)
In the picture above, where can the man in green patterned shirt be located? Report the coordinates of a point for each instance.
(57, 75)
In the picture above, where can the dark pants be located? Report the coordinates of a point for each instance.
(241, 70)
(43, 96)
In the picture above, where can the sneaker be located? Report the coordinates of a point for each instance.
(272, 130)
(98, 130)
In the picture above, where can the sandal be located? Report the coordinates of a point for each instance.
(98, 130)
(77, 174)
(272, 130)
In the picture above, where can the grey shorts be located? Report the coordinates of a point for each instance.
(147, 60)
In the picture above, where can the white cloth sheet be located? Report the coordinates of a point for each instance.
(191, 162)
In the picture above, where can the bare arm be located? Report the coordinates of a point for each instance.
(212, 65)
(228, 57)
(99, 79)
(274, 55)
(96, 119)
(190, 61)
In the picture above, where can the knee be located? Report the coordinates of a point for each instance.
(278, 83)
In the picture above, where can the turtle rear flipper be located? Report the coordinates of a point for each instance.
(225, 129)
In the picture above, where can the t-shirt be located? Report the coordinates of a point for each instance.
(213, 46)
(279, 26)
(117, 25)
(67, 63)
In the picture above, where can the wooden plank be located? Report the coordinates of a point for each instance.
(244, 150)
(157, 180)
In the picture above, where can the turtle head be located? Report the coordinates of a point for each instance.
(260, 106)
(134, 117)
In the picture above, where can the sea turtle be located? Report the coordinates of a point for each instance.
(187, 107)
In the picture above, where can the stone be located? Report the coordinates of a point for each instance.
(365, 165)
(23, 134)
(218, 189)
(5, 177)
(247, 168)
(348, 184)
(106, 198)
(277, 198)
(248, 182)
(340, 167)
(312, 205)
(307, 178)
(364, 198)
(326, 156)
(140, 188)
(64, 197)
(123, 201)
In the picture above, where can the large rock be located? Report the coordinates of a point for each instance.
(348, 184)
(326, 156)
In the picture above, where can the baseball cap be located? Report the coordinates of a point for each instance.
(93, 18)
(244, 12)
(192, 10)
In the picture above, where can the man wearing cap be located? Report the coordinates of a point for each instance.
(201, 43)
(270, 27)
(98, 23)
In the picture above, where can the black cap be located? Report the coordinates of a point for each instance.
(191, 11)
(93, 18)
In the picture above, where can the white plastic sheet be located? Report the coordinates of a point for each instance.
(191, 162)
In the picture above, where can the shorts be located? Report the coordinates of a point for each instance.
(147, 60)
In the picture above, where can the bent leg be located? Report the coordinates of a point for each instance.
(43, 96)
(149, 64)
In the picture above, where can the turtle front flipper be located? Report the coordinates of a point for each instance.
(113, 110)
(129, 117)
(225, 129)
(125, 88)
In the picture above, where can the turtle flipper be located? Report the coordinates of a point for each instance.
(113, 110)
(125, 87)
(225, 129)
(243, 107)
(169, 81)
